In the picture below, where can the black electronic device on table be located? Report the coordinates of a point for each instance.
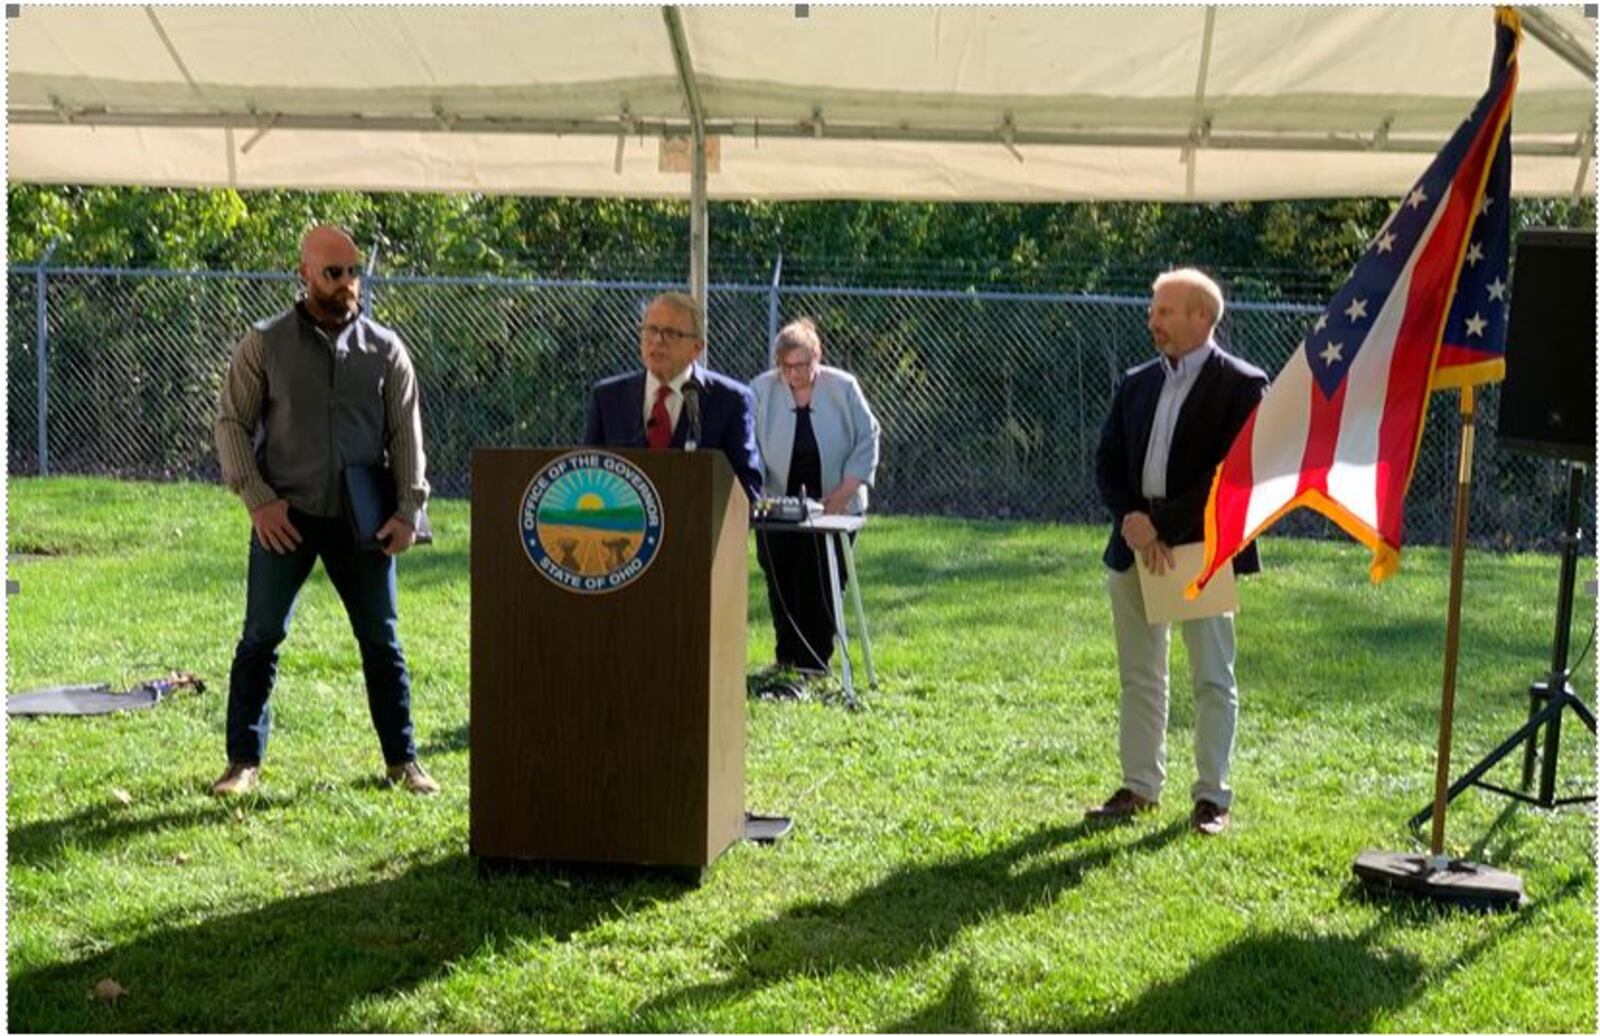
(785, 509)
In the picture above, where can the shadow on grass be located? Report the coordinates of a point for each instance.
(1276, 982)
(299, 964)
(1504, 847)
(1280, 982)
(445, 742)
(108, 824)
(958, 1010)
(911, 914)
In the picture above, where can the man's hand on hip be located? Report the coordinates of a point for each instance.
(397, 535)
(1139, 530)
(273, 527)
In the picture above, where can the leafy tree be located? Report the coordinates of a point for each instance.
(1280, 249)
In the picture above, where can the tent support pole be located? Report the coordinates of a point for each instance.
(1351, 140)
(1542, 27)
(699, 227)
(699, 234)
(1199, 123)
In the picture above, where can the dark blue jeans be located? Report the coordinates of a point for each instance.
(365, 582)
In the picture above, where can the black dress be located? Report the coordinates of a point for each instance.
(796, 568)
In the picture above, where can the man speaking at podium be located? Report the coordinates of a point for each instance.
(673, 400)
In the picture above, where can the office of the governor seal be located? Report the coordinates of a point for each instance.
(591, 522)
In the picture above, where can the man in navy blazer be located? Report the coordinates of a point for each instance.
(645, 408)
(1172, 421)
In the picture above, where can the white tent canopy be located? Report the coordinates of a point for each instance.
(933, 103)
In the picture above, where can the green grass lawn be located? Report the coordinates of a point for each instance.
(938, 877)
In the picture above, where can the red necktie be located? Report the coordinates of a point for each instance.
(659, 434)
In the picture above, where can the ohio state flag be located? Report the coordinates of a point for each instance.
(1424, 308)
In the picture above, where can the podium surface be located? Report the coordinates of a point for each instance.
(608, 697)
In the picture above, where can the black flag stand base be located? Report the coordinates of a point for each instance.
(1442, 879)
(1436, 876)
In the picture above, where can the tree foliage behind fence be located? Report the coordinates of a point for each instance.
(991, 403)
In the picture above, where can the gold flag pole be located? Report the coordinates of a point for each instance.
(1436, 875)
(1452, 635)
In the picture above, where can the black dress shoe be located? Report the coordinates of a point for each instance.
(1208, 818)
(777, 685)
(786, 691)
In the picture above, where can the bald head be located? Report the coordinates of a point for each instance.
(330, 268)
(327, 244)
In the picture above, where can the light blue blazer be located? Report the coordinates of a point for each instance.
(847, 433)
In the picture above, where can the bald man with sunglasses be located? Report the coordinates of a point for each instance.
(309, 391)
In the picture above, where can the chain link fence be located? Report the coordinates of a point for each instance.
(991, 402)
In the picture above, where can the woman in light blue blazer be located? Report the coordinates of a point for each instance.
(818, 439)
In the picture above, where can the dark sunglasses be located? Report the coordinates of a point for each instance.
(333, 273)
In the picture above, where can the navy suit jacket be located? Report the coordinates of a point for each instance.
(727, 420)
(1224, 393)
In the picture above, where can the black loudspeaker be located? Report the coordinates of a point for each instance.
(1547, 401)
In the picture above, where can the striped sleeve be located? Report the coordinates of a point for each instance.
(238, 409)
(402, 403)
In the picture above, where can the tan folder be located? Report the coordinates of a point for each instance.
(1163, 594)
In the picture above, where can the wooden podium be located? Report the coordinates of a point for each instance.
(609, 727)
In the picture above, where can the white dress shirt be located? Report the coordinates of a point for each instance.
(1180, 379)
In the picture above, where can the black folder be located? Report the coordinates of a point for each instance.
(370, 500)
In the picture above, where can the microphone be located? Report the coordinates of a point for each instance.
(691, 413)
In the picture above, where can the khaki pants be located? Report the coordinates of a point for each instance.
(1142, 670)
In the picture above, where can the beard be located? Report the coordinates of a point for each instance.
(340, 304)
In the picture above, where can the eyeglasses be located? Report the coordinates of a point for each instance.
(669, 335)
(799, 366)
(333, 273)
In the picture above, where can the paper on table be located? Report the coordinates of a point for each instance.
(1163, 595)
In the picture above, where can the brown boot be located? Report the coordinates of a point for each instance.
(414, 777)
(1121, 806)
(237, 779)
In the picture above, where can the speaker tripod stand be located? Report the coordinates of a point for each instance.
(1549, 699)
